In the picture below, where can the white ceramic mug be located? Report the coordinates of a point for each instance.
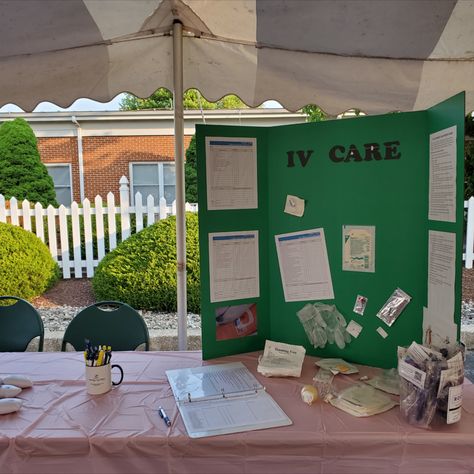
(99, 379)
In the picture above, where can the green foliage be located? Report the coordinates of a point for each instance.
(26, 266)
(141, 271)
(192, 99)
(314, 113)
(469, 157)
(190, 172)
(22, 175)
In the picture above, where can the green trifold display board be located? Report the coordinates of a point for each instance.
(367, 171)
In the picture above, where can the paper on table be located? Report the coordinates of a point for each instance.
(442, 187)
(281, 360)
(233, 265)
(304, 265)
(231, 173)
(223, 398)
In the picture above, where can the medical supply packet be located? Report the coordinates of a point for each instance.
(388, 381)
(361, 400)
(337, 366)
(281, 360)
(393, 307)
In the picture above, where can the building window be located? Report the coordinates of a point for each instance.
(61, 175)
(157, 179)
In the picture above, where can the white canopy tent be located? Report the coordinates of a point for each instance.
(374, 55)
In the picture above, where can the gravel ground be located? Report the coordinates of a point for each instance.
(59, 305)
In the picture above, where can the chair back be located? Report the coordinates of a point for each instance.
(19, 324)
(111, 323)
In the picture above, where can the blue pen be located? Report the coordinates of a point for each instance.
(164, 416)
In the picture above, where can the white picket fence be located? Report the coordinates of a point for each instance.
(468, 255)
(51, 226)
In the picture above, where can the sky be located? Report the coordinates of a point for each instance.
(88, 105)
(84, 105)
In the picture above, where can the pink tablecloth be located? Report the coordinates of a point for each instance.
(62, 429)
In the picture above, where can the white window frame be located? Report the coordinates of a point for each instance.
(57, 165)
(161, 179)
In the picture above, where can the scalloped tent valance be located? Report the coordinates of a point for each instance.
(377, 56)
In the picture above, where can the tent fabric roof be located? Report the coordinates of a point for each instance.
(378, 56)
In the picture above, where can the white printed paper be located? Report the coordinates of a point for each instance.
(438, 317)
(454, 404)
(281, 360)
(442, 187)
(223, 398)
(233, 265)
(304, 265)
(294, 206)
(412, 374)
(358, 248)
(231, 173)
(354, 329)
(382, 332)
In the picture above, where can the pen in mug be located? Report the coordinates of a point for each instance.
(164, 416)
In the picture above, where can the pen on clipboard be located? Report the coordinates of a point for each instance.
(164, 416)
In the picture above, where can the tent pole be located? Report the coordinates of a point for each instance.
(179, 164)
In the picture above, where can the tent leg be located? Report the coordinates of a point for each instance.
(179, 164)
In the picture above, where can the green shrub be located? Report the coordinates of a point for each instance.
(22, 174)
(26, 266)
(141, 271)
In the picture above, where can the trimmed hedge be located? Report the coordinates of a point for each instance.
(26, 266)
(141, 271)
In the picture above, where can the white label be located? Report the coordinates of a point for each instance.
(455, 397)
(354, 329)
(382, 332)
(417, 353)
(412, 374)
(453, 416)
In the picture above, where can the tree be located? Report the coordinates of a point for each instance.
(190, 172)
(22, 174)
(192, 99)
(314, 113)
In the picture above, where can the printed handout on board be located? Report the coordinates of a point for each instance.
(304, 265)
(358, 248)
(231, 173)
(233, 265)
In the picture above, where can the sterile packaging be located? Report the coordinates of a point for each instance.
(360, 304)
(323, 382)
(431, 382)
(393, 306)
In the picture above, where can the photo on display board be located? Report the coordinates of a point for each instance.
(236, 321)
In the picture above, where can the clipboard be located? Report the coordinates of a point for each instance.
(223, 398)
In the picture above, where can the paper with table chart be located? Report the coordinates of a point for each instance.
(223, 398)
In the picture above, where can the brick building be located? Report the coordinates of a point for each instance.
(86, 153)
